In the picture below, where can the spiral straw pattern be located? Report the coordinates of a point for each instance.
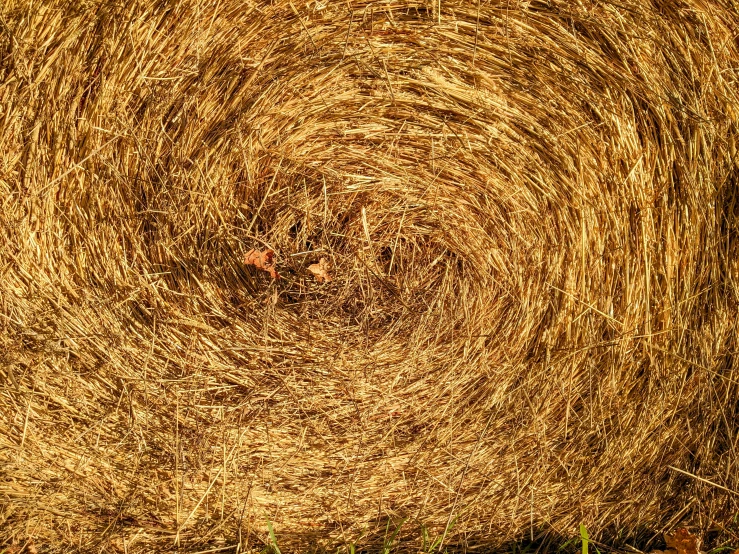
(529, 212)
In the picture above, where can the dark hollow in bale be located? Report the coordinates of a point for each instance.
(530, 214)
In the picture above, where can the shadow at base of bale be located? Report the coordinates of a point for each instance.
(641, 539)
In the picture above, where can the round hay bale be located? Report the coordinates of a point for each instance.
(500, 302)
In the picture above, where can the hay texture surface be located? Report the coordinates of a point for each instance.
(528, 214)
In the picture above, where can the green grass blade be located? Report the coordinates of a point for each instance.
(272, 537)
(585, 538)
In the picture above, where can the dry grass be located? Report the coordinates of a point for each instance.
(531, 211)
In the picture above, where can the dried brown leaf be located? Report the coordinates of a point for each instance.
(263, 260)
(320, 271)
(682, 542)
